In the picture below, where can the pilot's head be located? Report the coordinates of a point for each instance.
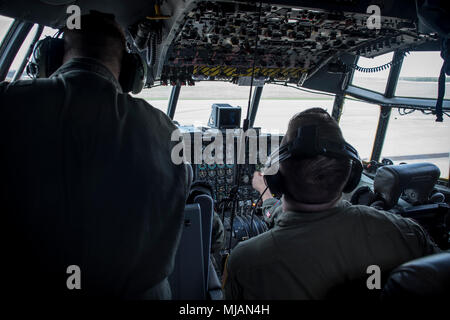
(314, 184)
(100, 37)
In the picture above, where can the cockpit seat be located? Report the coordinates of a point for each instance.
(415, 181)
(189, 176)
(427, 277)
(188, 280)
(214, 284)
(206, 204)
(194, 277)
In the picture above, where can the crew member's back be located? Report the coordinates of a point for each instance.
(308, 253)
(319, 242)
(87, 180)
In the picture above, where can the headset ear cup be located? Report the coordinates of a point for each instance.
(133, 73)
(275, 183)
(355, 176)
(55, 56)
(47, 57)
(36, 66)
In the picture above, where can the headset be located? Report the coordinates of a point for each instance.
(48, 56)
(308, 144)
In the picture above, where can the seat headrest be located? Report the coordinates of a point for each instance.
(415, 180)
(424, 277)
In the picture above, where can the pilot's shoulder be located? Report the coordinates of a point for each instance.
(253, 252)
(8, 85)
(23, 93)
(377, 218)
(17, 87)
(143, 107)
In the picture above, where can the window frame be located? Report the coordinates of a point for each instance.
(11, 44)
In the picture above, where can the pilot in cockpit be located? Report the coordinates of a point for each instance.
(88, 185)
(318, 240)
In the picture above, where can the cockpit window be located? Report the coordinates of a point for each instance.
(5, 23)
(157, 96)
(23, 50)
(415, 137)
(194, 102)
(374, 81)
(419, 76)
(358, 123)
(21, 55)
(278, 104)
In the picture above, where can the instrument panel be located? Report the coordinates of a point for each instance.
(222, 39)
(224, 175)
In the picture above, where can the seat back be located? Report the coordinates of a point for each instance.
(189, 176)
(415, 181)
(427, 277)
(214, 284)
(206, 204)
(434, 218)
(188, 280)
(356, 289)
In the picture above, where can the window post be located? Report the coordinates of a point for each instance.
(385, 110)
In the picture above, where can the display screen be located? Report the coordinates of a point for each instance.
(229, 118)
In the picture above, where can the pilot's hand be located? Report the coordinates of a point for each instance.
(258, 182)
(259, 185)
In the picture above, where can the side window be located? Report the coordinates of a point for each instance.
(416, 137)
(5, 23)
(419, 76)
(21, 54)
(374, 81)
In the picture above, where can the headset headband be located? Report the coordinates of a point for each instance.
(48, 56)
(308, 144)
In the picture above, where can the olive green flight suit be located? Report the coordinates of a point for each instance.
(271, 209)
(306, 254)
(87, 180)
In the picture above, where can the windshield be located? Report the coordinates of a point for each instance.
(277, 105)
(412, 138)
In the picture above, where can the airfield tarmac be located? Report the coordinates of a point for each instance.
(410, 138)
